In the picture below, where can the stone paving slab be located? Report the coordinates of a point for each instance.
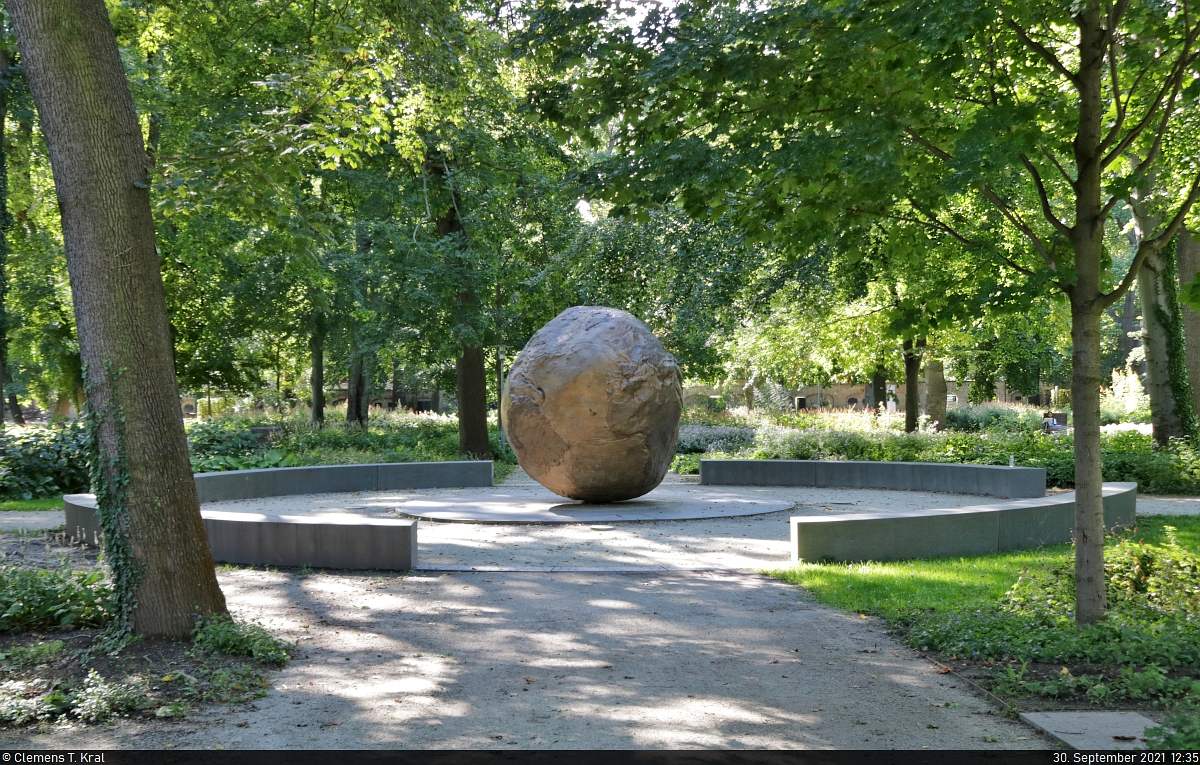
(1092, 731)
(519, 505)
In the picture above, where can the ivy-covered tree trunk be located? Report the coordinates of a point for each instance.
(316, 347)
(154, 538)
(1156, 320)
(1187, 263)
(935, 393)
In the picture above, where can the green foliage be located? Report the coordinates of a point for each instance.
(46, 600)
(695, 439)
(1018, 607)
(42, 462)
(229, 637)
(98, 700)
(1129, 684)
(1180, 732)
(1006, 418)
(38, 653)
(221, 437)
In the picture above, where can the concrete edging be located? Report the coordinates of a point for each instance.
(1002, 527)
(984, 480)
(351, 543)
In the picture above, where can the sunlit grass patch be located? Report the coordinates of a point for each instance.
(43, 503)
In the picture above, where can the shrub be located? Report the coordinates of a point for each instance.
(26, 701)
(43, 462)
(62, 599)
(993, 417)
(221, 437)
(99, 699)
(225, 635)
(697, 439)
(1179, 732)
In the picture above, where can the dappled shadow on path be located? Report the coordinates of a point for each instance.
(583, 661)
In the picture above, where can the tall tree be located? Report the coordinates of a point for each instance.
(797, 113)
(149, 510)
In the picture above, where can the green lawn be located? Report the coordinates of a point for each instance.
(895, 590)
(45, 503)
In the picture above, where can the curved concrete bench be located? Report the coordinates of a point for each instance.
(352, 543)
(1002, 527)
(984, 480)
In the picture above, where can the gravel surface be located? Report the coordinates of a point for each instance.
(537, 660)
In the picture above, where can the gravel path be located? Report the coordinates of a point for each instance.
(470, 660)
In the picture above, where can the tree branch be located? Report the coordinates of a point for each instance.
(1047, 211)
(1042, 51)
(1171, 84)
(1151, 246)
(1020, 225)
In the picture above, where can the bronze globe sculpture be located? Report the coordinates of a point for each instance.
(592, 405)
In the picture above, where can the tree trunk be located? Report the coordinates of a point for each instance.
(5, 222)
(435, 401)
(154, 537)
(472, 405)
(1128, 323)
(1090, 597)
(912, 369)
(395, 385)
(500, 390)
(879, 388)
(1187, 254)
(316, 347)
(1163, 411)
(935, 393)
(14, 408)
(1087, 239)
(356, 392)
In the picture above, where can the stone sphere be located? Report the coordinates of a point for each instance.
(592, 404)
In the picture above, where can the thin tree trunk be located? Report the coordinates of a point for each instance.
(935, 393)
(435, 401)
(1187, 256)
(5, 222)
(472, 404)
(1087, 237)
(1128, 323)
(149, 510)
(879, 388)
(500, 390)
(356, 392)
(395, 385)
(316, 347)
(912, 369)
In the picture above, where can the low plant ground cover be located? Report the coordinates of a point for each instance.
(1005, 621)
(54, 605)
